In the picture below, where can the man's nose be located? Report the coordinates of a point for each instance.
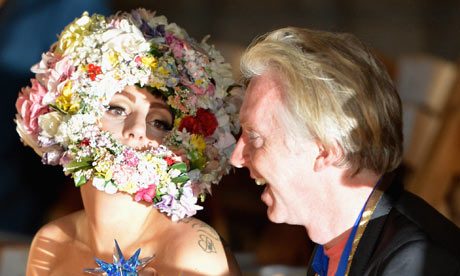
(238, 158)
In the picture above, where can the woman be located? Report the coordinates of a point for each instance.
(139, 114)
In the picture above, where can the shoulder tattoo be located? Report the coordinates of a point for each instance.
(206, 235)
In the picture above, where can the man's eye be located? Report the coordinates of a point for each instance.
(257, 142)
(162, 125)
(116, 110)
(255, 139)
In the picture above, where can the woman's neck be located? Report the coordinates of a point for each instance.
(116, 216)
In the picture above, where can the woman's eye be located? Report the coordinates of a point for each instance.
(116, 110)
(162, 125)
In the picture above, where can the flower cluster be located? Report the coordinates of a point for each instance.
(96, 57)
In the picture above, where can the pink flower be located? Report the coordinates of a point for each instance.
(211, 88)
(138, 61)
(53, 71)
(29, 106)
(194, 88)
(146, 194)
(122, 174)
(130, 158)
(176, 45)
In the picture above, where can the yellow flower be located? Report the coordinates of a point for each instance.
(130, 187)
(116, 75)
(66, 101)
(113, 58)
(164, 177)
(157, 84)
(199, 82)
(198, 142)
(103, 167)
(72, 36)
(108, 175)
(148, 157)
(163, 71)
(150, 61)
(178, 119)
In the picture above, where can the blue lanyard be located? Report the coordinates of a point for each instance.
(321, 261)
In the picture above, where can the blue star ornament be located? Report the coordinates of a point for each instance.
(120, 267)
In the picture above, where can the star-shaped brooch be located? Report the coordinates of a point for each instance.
(120, 266)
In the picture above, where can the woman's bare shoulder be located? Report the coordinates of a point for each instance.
(49, 242)
(62, 228)
(201, 250)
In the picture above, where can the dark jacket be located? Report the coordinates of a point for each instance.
(406, 236)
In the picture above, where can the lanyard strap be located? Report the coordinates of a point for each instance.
(321, 261)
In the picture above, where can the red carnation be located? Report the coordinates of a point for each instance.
(204, 123)
(170, 161)
(188, 122)
(84, 142)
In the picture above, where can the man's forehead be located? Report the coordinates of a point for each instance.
(263, 97)
(267, 84)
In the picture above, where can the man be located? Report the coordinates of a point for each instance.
(321, 126)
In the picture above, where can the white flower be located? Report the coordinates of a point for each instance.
(172, 189)
(224, 139)
(71, 130)
(102, 185)
(110, 188)
(155, 20)
(126, 41)
(26, 138)
(174, 173)
(49, 123)
(99, 183)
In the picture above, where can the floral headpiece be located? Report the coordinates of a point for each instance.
(96, 57)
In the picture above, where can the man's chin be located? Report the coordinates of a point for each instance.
(267, 197)
(273, 216)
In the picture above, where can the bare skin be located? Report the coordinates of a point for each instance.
(191, 248)
(303, 184)
(68, 245)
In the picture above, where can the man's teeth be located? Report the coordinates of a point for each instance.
(261, 181)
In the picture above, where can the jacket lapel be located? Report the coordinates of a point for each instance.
(371, 236)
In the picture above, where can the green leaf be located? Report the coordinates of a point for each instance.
(74, 165)
(55, 107)
(79, 180)
(202, 197)
(157, 198)
(83, 107)
(109, 182)
(180, 179)
(154, 51)
(182, 167)
(197, 161)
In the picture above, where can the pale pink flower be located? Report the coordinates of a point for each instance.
(122, 174)
(130, 157)
(29, 106)
(176, 45)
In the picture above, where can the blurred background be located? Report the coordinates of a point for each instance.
(418, 41)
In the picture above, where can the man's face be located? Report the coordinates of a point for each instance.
(270, 154)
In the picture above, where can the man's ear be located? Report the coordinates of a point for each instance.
(327, 156)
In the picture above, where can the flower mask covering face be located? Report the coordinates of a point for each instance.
(96, 57)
